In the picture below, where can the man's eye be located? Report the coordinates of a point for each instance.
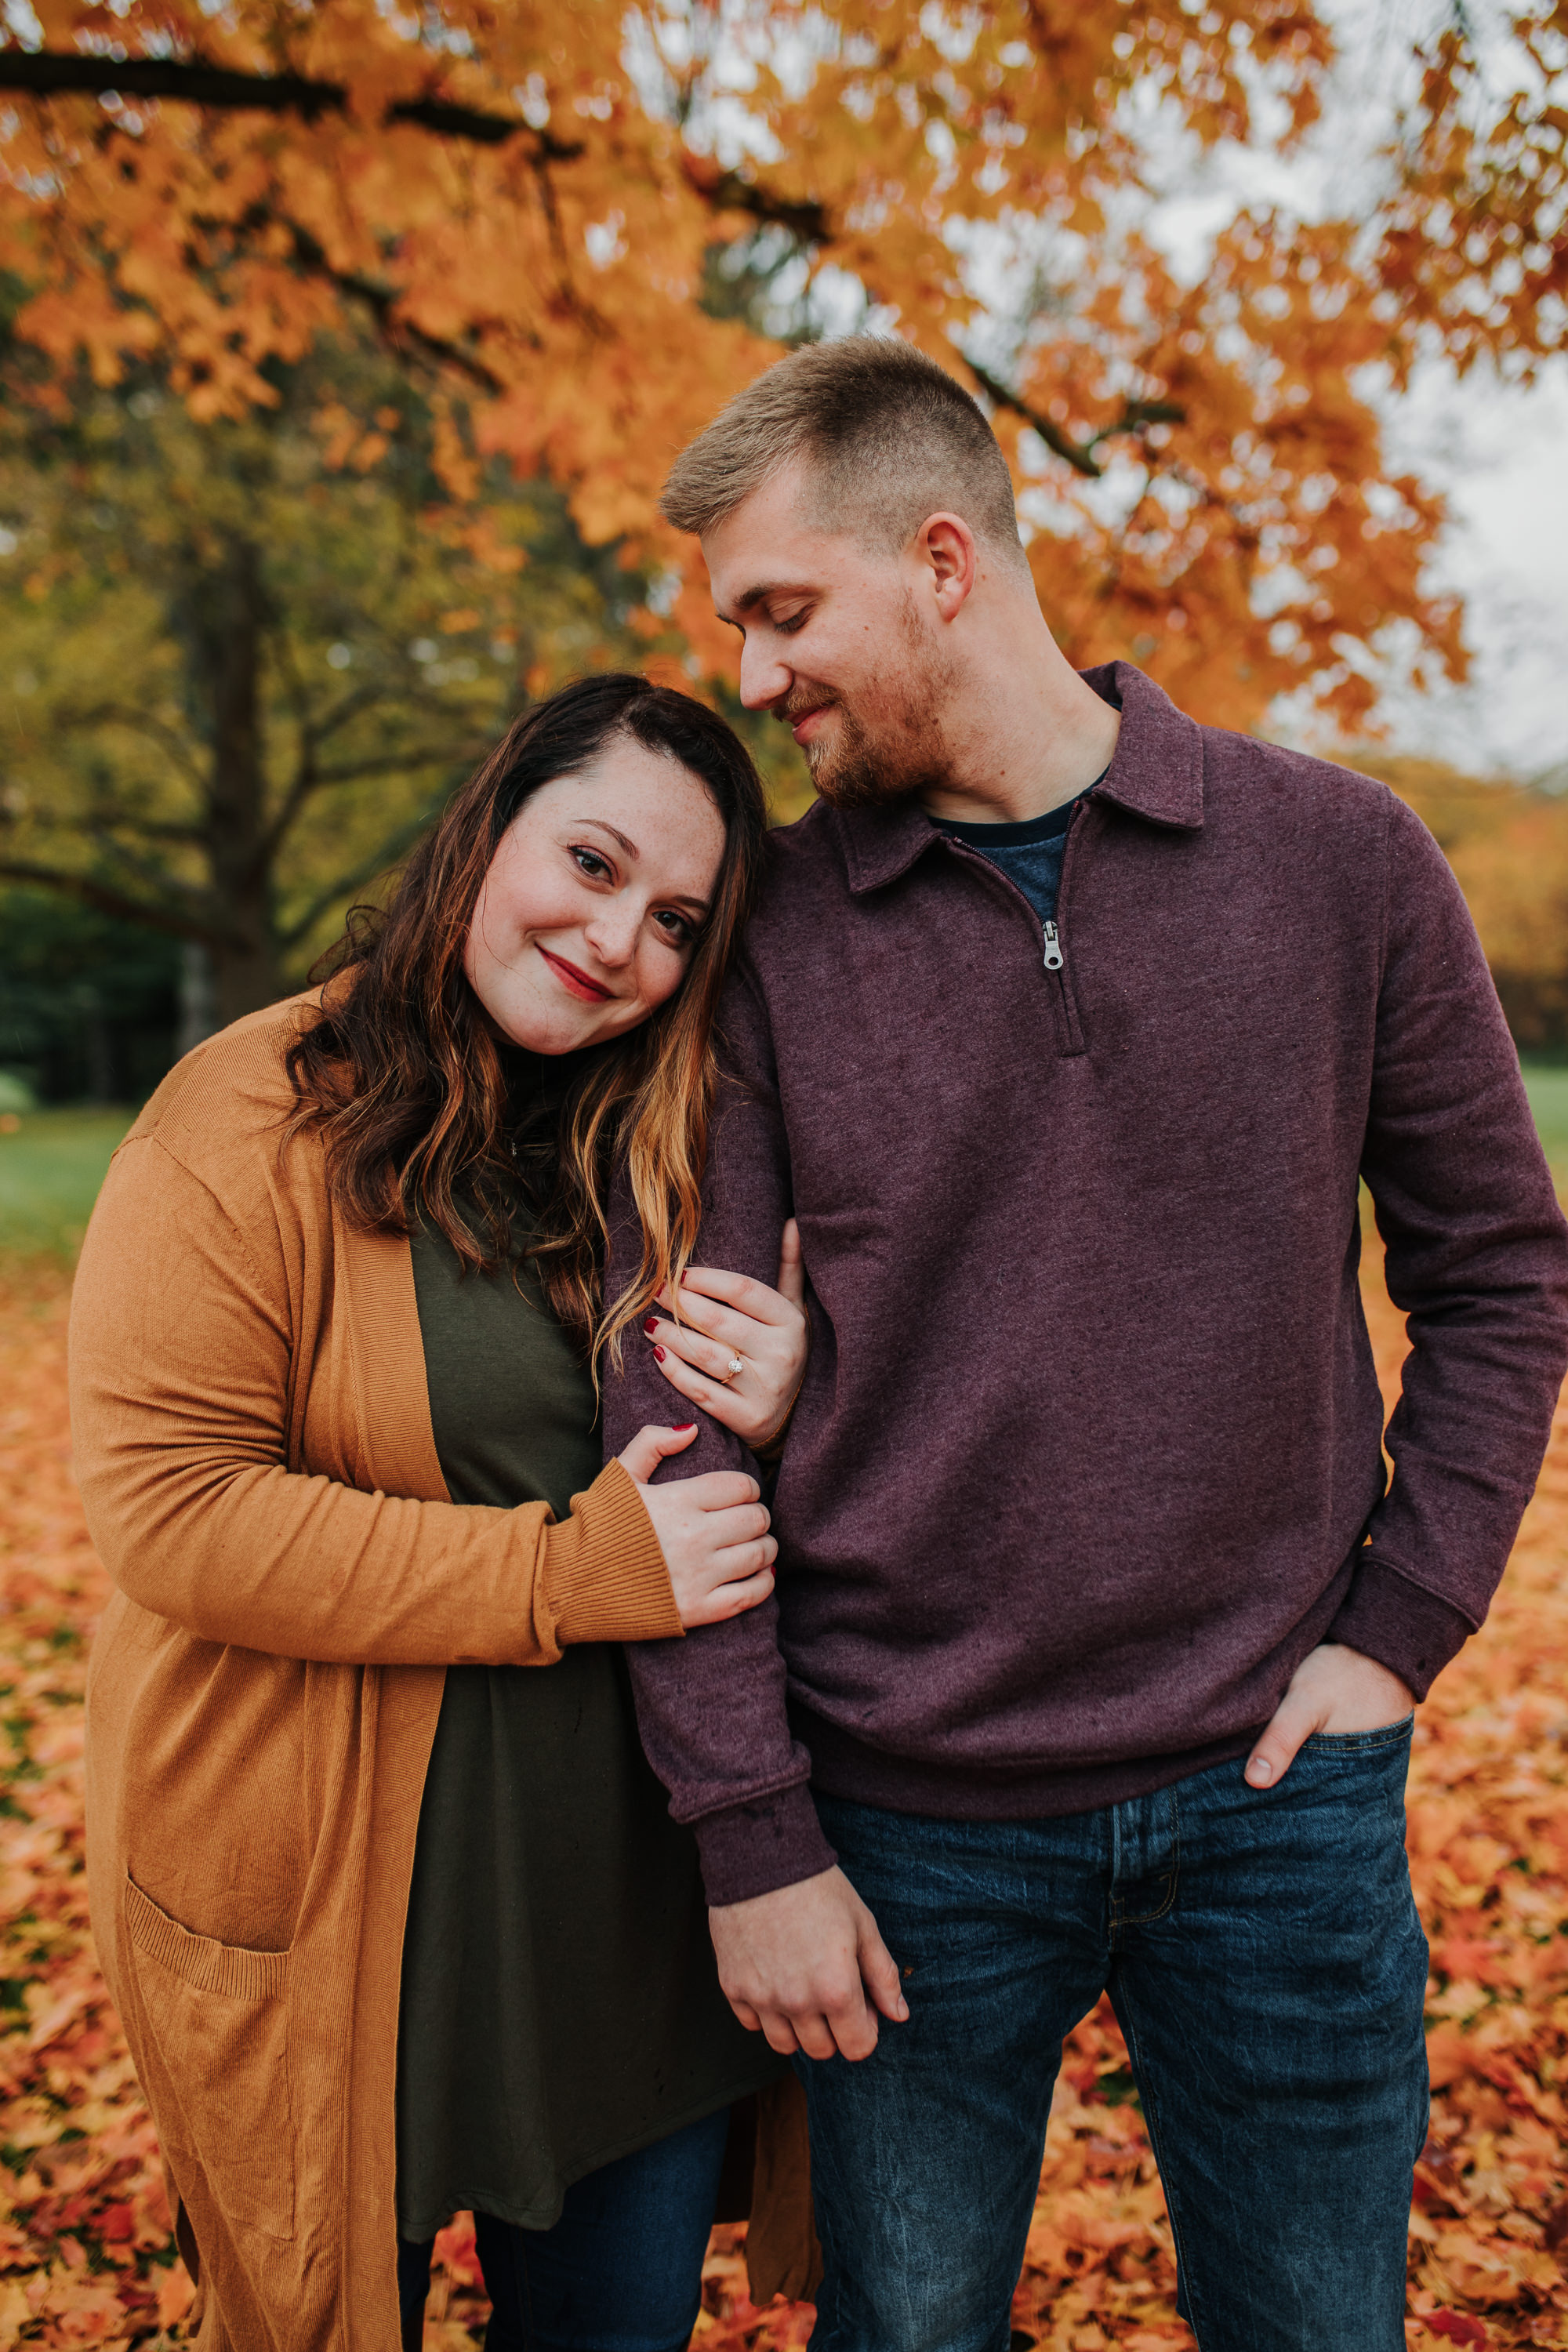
(591, 862)
(795, 621)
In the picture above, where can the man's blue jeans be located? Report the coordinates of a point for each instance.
(1262, 1953)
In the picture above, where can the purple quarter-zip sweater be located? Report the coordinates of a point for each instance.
(1089, 1453)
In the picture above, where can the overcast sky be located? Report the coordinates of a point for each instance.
(1501, 456)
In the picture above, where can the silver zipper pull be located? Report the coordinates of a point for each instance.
(1053, 948)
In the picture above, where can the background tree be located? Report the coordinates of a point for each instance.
(1508, 844)
(89, 1007)
(530, 197)
(244, 660)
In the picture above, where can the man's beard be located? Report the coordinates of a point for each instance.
(854, 768)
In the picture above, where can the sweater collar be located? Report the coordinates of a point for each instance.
(1157, 773)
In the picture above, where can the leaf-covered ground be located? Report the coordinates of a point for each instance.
(85, 2254)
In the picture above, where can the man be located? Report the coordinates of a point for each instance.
(1065, 1029)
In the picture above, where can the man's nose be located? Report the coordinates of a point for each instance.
(765, 678)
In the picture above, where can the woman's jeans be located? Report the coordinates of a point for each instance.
(621, 2271)
(1263, 1956)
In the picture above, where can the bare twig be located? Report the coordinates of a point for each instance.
(1079, 455)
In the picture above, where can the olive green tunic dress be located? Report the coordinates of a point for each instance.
(560, 2005)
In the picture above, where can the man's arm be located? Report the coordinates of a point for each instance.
(712, 1710)
(1477, 1260)
(799, 1955)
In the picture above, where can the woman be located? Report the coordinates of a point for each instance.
(396, 1925)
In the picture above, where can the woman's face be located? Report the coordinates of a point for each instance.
(587, 920)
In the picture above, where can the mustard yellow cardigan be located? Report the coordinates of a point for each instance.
(252, 1440)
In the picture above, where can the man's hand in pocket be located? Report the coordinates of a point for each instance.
(1334, 1689)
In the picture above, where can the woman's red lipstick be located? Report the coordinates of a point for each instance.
(577, 982)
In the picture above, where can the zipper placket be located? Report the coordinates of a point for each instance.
(1073, 1039)
(1069, 1029)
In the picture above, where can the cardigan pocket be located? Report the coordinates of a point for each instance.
(218, 2016)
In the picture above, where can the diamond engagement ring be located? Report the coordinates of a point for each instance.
(736, 1365)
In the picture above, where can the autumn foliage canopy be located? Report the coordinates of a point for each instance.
(558, 214)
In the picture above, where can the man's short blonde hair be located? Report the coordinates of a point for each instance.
(887, 438)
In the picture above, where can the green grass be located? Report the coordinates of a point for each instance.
(51, 1165)
(1547, 1086)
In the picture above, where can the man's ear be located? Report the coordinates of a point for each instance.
(944, 547)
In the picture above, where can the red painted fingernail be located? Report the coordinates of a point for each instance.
(659, 1358)
(682, 1427)
(650, 1324)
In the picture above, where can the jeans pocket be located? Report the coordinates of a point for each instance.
(217, 2016)
(1361, 1743)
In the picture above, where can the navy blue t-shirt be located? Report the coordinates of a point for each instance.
(1030, 854)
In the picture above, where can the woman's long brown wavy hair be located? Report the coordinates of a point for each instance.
(401, 1075)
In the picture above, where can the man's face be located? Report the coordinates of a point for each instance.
(840, 643)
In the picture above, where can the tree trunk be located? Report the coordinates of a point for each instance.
(224, 624)
(198, 999)
(97, 1041)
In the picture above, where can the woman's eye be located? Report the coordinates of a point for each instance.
(591, 862)
(676, 929)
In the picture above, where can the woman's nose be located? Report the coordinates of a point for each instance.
(612, 933)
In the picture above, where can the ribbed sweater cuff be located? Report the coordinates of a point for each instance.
(771, 1842)
(606, 1576)
(1402, 1626)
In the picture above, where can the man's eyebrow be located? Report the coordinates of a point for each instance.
(759, 595)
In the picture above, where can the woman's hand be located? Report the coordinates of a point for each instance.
(713, 1531)
(726, 1316)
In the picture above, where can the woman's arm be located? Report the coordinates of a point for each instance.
(725, 1317)
(182, 1382)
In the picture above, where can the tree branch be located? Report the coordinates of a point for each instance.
(307, 776)
(390, 850)
(106, 827)
(47, 73)
(396, 332)
(99, 896)
(1079, 455)
(728, 192)
(142, 723)
(354, 771)
(109, 825)
(310, 778)
(810, 222)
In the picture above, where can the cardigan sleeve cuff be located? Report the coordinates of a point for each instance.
(1402, 1626)
(607, 1575)
(768, 1842)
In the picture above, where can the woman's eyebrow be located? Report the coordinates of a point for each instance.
(700, 907)
(615, 832)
